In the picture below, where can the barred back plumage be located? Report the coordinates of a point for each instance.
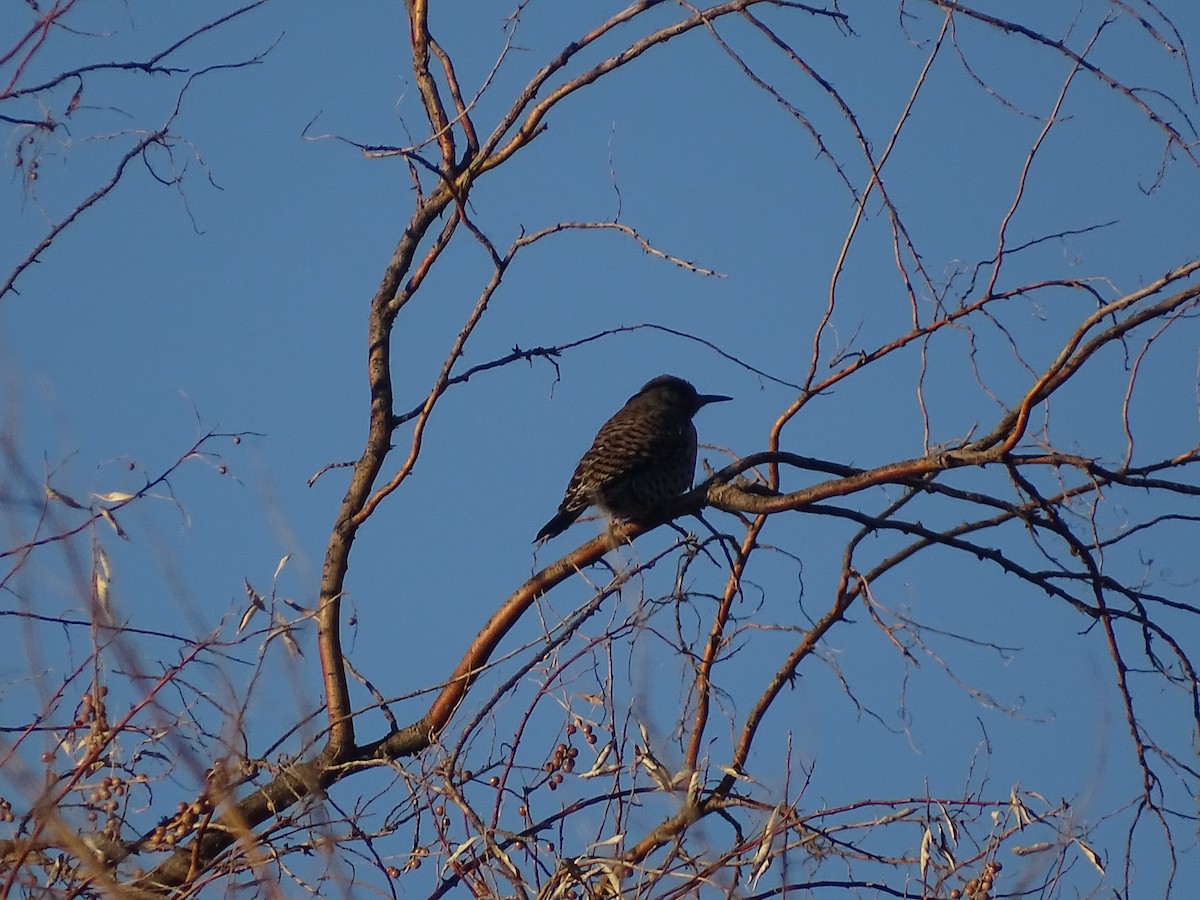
(642, 458)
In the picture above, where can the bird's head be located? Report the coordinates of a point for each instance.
(673, 391)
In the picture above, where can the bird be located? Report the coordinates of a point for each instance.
(642, 458)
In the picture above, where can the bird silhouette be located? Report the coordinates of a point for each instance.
(642, 458)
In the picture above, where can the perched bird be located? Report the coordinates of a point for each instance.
(641, 459)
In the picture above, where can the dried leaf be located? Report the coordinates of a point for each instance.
(609, 841)
(103, 563)
(246, 617)
(945, 850)
(657, 771)
(108, 517)
(1018, 808)
(296, 606)
(763, 856)
(256, 604)
(52, 494)
(290, 643)
(1092, 855)
(283, 630)
(459, 850)
(950, 826)
(598, 767)
(612, 877)
(115, 496)
(101, 578)
(897, 816)
(254, 596)
(740, 775)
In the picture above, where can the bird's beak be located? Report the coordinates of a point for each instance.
(705, 399)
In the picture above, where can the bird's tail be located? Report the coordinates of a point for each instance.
(561, 521)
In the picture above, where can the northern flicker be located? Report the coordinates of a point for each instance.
(641, 459)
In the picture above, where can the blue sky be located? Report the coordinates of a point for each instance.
(238, 301)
